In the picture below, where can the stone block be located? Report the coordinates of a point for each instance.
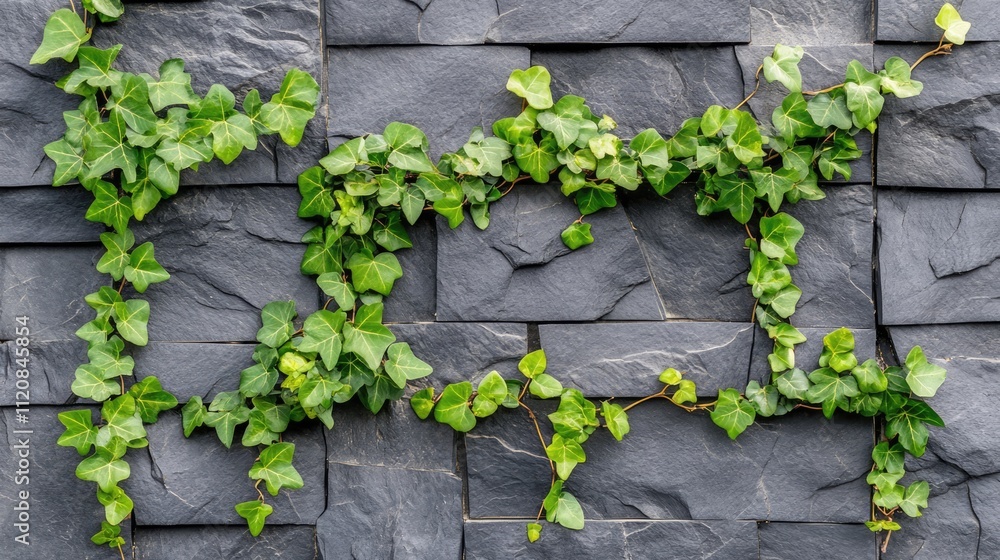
(414, 296)
(288, 542)
(625, 359)
(189, 369)
(811, 22)
(377, 512)
(241, 45)
(520, 270)
(197, 481)
(938, 257)
(445, 91)
(706, 540)
(793, 541)
(46, 215)
(50, 369)
(465, 351)
(913, 20)
(948, 137)
(676, 465)
(229, 252)
(46, 284)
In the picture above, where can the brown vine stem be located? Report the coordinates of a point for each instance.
(541, 438)
(662, 394)
(750, 235)
(73, 6)
(121, 552)
(512, 183)
(756, 86)
(941, 49)
(325, 305)
(256, 487)
(121, 287)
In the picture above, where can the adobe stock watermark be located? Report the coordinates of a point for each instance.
(19, 437)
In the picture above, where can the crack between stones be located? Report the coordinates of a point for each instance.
(979, 524)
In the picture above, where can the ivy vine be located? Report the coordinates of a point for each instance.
(133, 134)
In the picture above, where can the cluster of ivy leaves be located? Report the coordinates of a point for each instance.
(127, 144)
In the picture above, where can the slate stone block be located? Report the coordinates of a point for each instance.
(46, 215)
(821, 67)
(47, 285)
(706, 540)
(646, 87)
(465, 351)
(676, 465)
(951, 528)
(229, 253)
(521, 21)
(197, 481)
(813, 22)
(948, 136)
(913, 20)
(31, 114)
(625, 359)
(938, 257)
(807, 353)
(520, 270)
(235, 543)
(63, 512)
(414, 296)
(792, 541)
(446, 92)
(50, 371)
(189, 369)
(242, 45)
(376, 512)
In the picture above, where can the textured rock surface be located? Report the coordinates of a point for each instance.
(660, 470)
(197, 481)
(50, 370)
(46, 215)
(812, 22)
(947, 137)
(465, 351)
(193, 369)
(376, 512)
(47, 285)
(229, 252)
(444, 91)
(235, 543)
(522, 21)
(649, 87)
(913, 20)
(242, 45)
(63, 513)
(938, 257)
(705, 540)
(31, 113)
(624, 359)
(522, 271)
(414, 295)
(807, 353)
(821, 67)
(793, 541)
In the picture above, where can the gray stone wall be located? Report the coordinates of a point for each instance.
(908, 253)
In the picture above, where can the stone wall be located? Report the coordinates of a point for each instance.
(908, 253)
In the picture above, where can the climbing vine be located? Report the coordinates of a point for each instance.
(363, 193)
(127, 143)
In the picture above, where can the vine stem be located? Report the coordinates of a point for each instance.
(121, 552)
(121, 287)
(72, 5)
(661, 394)
(256, 487)
(756, 78)
(541, 438)
(512, 183)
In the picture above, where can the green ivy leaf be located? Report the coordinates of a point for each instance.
(90, 383)
(746, 142)
(276, 319)
(108, 209)
(870, 377)
(317, 391)
(193, 415)
(863, 97)
(63, 35)
(130, 99)
(255, 512)
(533, 364)
(230, 136)
(453, 407)
(143, 269)
(738, 195)
(345, 157)
(831, 389)
(122, 419)
(151, 399)
(333, 285)
(830, 110)
(292, 107)
(257, 379)
(563, 120)
(778, 236)
(910, 430)
(532, 85)
(544, 386)
(117, 504)
(563, 508)
(889, 458)
(793, 384)
(94, 70)
(766, 276)
(733, 413)
(793, 120)
(663, 180)
(422, 402)
(537, 160)
(590, 200)
(616, 419)
(838, 351)
(783, 66)
(321, 333)
(948, 19)
(104, 469)
(621, 170)
(566, 454)
(923, 377)
(577, 235)
(131, 317)
(403, 366)
(80, 431)
(534, 532)
(763, 399)
(173, 86)
(896, 79)
(773, 185)
(109, 535)
(116, 258)
(225, 421)
(275, 468)
(68, 160)
(367, 337)
(377, 273)
(915, 498)
(107, 148)
(390, 233)
(785, 334)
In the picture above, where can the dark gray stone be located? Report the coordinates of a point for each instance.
(520, 270)
(813, 22)
(807, 353)
(63, 512)
(50, 370)
(229, 252)
(794, 541)
(235, 543)
(197, 481)
(46, 215)
(377, 512)
(193, 369)
(821, 67)
(31, 113)
(444, 91)
(698, 264)
(414, 295)
(241, 45)
(465, 351)
(625, 359)
(520, 21)
(47, 285)
(702, 540)
(676, 465)
(938, 257)
(646, 87)
(913, 20)
(948, 137)
(643, 301)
